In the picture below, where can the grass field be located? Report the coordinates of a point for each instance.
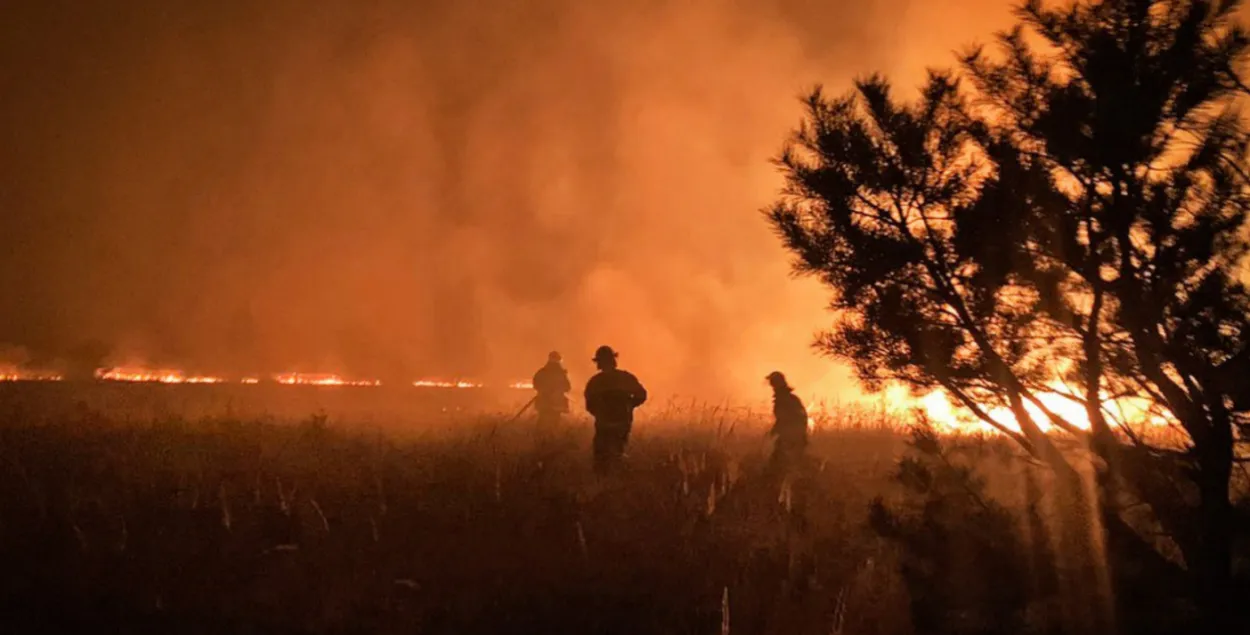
(220, 526)
(476, 525)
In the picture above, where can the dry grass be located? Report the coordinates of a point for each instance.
(220, 525)
(461, 524)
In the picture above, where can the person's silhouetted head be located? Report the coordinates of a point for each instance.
(605, 358)
(554, 357)
(778, 381)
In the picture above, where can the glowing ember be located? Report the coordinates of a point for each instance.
(321, 379)
(154, 376)
(250, 380)
(522, 385)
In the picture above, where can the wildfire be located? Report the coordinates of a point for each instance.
(945, 415)
(12, 373)
(435, 383)
(936, 406)
(144, 375)
(321, 379)
(135, 374)
(141, 375)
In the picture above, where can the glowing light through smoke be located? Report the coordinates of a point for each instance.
(946, 416)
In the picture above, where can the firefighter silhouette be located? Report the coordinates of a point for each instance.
(611, 397)
(551, 383)
(789, 424)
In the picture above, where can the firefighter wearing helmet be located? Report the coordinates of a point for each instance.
(611, 397)
(551, 385)
(789, 424)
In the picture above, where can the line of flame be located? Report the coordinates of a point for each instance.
(154, 376)
(13, 374)
(171, 376)
(437, 383)
(321, 379)
(936, 405)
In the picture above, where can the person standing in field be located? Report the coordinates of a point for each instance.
(611, 397)
(789, 424)
(551, 383)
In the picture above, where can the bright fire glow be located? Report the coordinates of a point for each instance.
(145, 375)
(154, 376)
(948, 417)
(435, 383)
(139, 374)
(13, 373)
(321, 379)
(941, 411)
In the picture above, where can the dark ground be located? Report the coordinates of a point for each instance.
(115, 517)
(222, 526)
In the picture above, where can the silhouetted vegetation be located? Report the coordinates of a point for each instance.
(220, 525)
(1013, 575)
(951, 529)
(223, 526)
(1065, 215)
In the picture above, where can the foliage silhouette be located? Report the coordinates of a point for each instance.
(1065, 216)
(955, 531)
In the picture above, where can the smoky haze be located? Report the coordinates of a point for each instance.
(405, 189)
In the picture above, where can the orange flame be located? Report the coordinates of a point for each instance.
(13, 373)
(936, 406)
(143, 375)
(948, 417)
(436, 383)
(321, 379)
(140, 374)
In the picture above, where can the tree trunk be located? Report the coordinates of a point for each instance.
(1212, 564)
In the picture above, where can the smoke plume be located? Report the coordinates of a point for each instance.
(399, 189)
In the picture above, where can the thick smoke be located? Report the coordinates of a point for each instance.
(402, 189)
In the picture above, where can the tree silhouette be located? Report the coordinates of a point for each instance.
(1066, 215)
